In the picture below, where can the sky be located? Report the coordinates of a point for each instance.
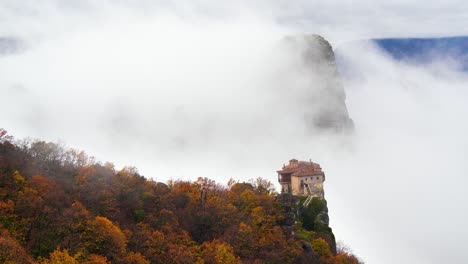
(182, 89)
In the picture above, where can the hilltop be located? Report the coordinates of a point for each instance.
(59, 205)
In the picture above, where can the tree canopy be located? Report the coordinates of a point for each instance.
(59, 205)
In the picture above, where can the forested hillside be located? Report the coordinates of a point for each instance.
(59, 205)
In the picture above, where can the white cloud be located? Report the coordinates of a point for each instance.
(404, 178)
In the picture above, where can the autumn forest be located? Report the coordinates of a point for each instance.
(59, 205)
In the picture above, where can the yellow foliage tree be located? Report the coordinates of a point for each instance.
(321, 247)
(136, 258)
(59, 256)
(217, 252)
(96, 259)
(104, 238)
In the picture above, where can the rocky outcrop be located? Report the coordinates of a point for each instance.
(308, 256)
(325, 98)
(315, 218)
(291, 205)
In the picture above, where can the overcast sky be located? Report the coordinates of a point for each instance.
(182, 89)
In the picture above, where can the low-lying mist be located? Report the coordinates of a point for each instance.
(174, 99)
(404, 177)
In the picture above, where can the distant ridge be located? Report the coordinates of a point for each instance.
(425, 50)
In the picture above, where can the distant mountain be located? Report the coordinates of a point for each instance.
(425, 50)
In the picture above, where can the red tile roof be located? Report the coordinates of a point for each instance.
(301, 168)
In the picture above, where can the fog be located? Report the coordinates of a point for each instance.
(405, 175)
(203, 89)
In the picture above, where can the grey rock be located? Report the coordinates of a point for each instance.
(322, 218)
(326, 99)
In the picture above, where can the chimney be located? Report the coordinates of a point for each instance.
(293, 162)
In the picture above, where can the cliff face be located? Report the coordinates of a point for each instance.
(314, 224)
(325, 102)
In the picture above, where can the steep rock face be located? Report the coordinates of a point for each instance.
(325, 106)
(315, 217)
(308, 256)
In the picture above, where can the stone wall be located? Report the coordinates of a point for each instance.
(311, 180)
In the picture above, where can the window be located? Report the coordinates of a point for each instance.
(317, 177)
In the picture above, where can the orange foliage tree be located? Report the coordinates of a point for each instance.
(104, 238)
